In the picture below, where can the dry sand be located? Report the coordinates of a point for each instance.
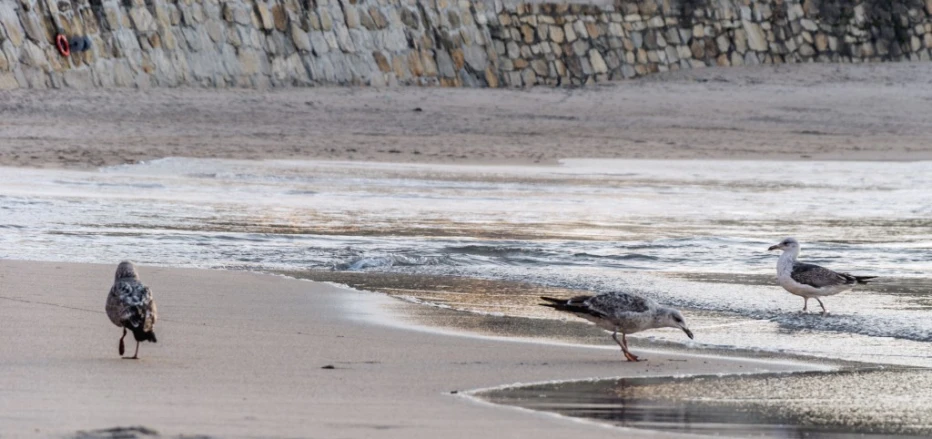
(241, 354)
(877, 111)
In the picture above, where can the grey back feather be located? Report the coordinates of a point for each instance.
(616, 304)
(819, 277)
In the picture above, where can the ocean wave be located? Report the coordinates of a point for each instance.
(625, 257)
(873, 326)
(388, 261)
(498, 251)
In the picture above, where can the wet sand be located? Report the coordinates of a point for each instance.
(846, 112)
(862, 402)
(243, 355)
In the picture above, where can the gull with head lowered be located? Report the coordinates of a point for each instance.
(810, 281)
(621, 312)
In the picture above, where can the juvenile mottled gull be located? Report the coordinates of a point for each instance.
(130, 306)
(621, 312)
(810, 281)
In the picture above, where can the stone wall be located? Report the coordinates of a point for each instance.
(261, 43)
(251, 43)
(579, 44)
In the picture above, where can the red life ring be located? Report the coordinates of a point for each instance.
(63, 47)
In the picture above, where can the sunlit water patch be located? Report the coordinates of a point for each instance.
(689, 233)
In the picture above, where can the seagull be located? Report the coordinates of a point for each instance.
(130, 306)
(621, 312)
(810, 281)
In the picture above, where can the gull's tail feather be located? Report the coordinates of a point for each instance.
(863, 279)
(142, 335)
(572, 305)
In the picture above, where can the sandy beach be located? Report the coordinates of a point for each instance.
(847, 112)
(245, 354)
(242, 355)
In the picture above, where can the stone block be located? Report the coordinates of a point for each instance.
(427, 60)
(597, 62)
(445, 64)
(672, 55)
(540, 67)
(499, 47)
(265, 16)
(8, 81)
(410, 18)
(319, 43)
(741, 41)
(513, 50)
(580, 47)
(379, 18)
(527, 33)
(280, 18)
(351, 16)
(459, 58)
(580, 29)
(556, 34)
(757, 41)
(143, 20)
(344, 42)
(398, 67)
(821, 42)
(529, 77)
(806, 50)
(326, 21)
(33, 56)
(570, 33)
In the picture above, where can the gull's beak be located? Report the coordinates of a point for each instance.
(687, 331)
(774, 247)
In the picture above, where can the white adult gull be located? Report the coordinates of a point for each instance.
(810, 281)
(621, 312)
(130, 306)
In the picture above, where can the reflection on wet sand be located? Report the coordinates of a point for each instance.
(872, 402)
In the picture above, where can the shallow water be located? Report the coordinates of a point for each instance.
(689, 233)
(851, 403)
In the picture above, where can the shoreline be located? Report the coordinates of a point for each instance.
(388, 364)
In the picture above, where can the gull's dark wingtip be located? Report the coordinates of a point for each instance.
(553, 303)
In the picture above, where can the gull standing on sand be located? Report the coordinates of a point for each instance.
(130, 306)
(621, 312)
(810, 281)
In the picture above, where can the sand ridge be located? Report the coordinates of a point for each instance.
(847, 112)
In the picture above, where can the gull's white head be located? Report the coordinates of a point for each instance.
(671, 318)
(786, 245)
(126, 270)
